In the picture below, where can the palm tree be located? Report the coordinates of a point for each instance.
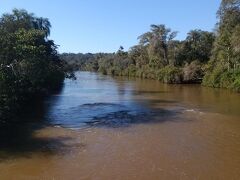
(20, 18)
(42, 24)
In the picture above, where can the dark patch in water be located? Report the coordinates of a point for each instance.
(126, 118)
(77, 116)
(112, 115)
(91, 105)
(18, 140)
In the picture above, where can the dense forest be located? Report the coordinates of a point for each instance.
(29, 63)
(210, 58)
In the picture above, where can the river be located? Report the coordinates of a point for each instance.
(100, 127)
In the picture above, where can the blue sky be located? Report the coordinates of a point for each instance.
(104, 25)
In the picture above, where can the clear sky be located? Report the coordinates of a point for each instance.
(104, 25)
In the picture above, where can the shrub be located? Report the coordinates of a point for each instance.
(213, 79)
(170, 74)
(221, 78)
(192, 72)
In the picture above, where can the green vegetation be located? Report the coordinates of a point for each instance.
(157, 56)
(29, 62)
(212, 58)
(224, 67)
(30, 66)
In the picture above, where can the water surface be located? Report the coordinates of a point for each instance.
(100, 127)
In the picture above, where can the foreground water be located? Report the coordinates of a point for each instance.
(100, 127)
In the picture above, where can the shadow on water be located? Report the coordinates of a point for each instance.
(112, 106)
(141, 112)
(125, 117)
(17, 138)
(19, 141)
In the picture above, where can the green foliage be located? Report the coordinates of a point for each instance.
(236, 83)
(213, 79)
(146, 72)
(29, 63)
(224, 66)
(193, 72)
(212, 58)
(157, 43)
(220, 78)
(197, 46)
(170, 74)
(157, 56)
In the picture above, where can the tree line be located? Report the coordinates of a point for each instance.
(210, 58)
(30, 66)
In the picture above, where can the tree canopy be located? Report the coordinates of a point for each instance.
(213, 57)
(29, 61)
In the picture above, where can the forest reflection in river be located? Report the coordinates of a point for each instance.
(99, 127)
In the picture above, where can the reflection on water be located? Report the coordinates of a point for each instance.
(93, 97)
(99, 127)
(90, 97)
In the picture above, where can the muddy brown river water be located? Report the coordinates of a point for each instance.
(99, 127)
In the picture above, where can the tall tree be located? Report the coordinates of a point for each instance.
(227, 28)
(197, 46)
(29, 62)
(157, 41)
